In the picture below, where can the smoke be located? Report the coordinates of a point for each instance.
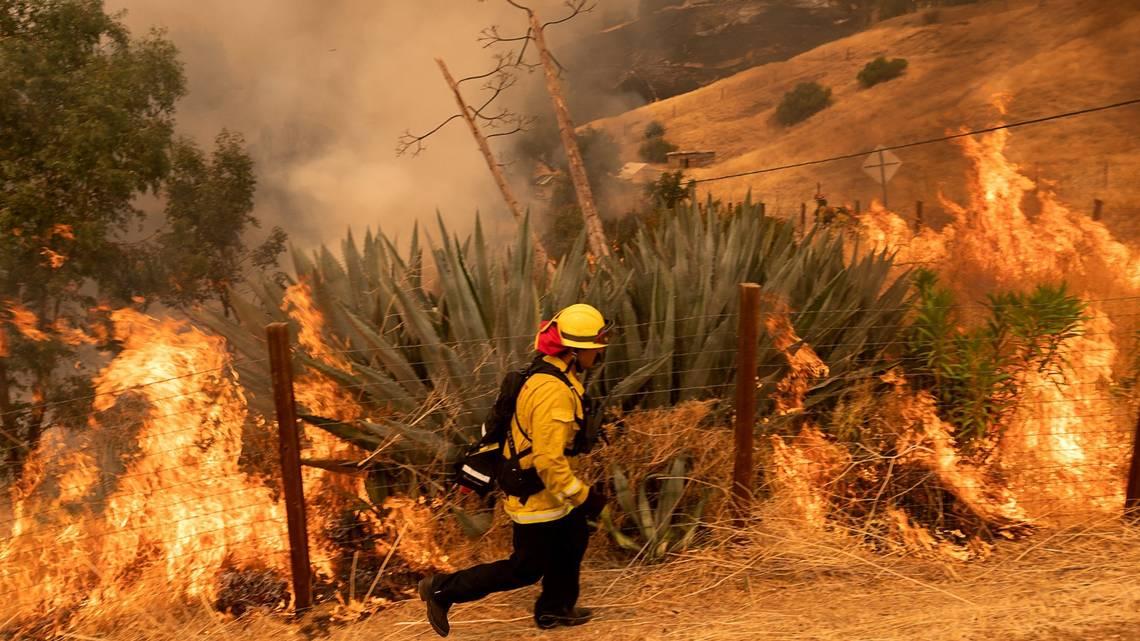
(322, 91)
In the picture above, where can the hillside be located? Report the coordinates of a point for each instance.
(1041, 56)
(680, 47)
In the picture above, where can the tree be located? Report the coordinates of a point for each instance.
(601, 157)
(803, 102)
(501, 78)
(655, 148)
(86, 128)
(670, 189)
(209, 208)
(881, 70)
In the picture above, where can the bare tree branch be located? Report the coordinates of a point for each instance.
(577, 7)
(499, 79)
(408, 140)
(502, 62)
(506, 133)
(491, 37)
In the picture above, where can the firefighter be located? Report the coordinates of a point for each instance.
(550, 529)
(823, 214)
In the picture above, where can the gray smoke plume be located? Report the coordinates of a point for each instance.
(322, 90)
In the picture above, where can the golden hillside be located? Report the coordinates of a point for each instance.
(1038, 56)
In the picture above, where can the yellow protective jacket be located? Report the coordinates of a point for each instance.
(547, 411)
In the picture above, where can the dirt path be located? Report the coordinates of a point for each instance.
(1073, 585)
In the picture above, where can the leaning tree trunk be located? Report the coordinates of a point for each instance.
(540, 255)
(594, 231)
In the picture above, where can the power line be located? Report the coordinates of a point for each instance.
(929, 141)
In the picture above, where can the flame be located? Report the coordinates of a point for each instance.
(804, 364)
(335, 494)
(169, 510)
(70, 334)
(314, 390)
(25, 322)
(927, 441)
(54, 258)
(153, 497)
(804, 468)
(63, 231)
(1061, 452)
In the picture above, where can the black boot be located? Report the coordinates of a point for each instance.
(436, 609)
(572, 616)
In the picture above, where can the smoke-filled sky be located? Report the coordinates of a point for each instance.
(322, 90)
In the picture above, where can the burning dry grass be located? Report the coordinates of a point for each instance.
(772, 580)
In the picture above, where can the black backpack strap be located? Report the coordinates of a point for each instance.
(516, 454)
(537, 366)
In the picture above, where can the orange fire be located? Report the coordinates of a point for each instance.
(1064, 451)
(334, 493)
(26, 322)
(804, 468)
(804, 365)
(157, 503)
(154, 496)
(54, 258)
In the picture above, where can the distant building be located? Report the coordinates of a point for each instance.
(687, 159)
(639, 172)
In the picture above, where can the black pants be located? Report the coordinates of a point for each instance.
(550, 551)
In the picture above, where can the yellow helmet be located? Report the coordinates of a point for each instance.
(581, 326)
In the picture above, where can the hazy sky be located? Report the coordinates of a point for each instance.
(322, 90)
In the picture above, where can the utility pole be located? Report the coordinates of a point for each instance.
(540, 255)
(595, 234)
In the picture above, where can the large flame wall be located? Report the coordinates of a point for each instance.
(1064, 452)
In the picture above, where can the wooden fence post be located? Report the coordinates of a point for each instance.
(281, 366)
(858, 206)
(763, 209)
(918, 217)
(1132, 495)
(1098, 209)
(747, 337)
(803, 217)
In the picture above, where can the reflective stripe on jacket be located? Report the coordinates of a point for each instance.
(548, 412)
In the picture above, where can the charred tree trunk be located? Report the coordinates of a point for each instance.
(595, 234)
(540, 255)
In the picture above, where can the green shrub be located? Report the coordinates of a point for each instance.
(976, 375)
(803, 102)
(881, 70)
(656, 150)
(670, 190)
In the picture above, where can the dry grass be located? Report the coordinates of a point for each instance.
(1048, 57)
(778, 578)
(773, 580)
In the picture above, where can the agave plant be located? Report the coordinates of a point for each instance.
(680, 297)
(655, 523)
(427, 334)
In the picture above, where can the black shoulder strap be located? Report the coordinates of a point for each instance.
(538, 366)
